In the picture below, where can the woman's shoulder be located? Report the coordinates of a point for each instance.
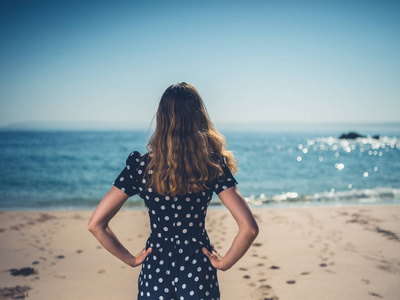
(136, 157)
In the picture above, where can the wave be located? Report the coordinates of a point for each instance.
(376, 195)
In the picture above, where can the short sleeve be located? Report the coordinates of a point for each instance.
(225, 180)
(126, 180)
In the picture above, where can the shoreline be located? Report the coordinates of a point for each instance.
(213, 206)
(346, 252)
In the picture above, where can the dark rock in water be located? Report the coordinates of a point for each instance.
(353, 135)
(350, 135)
(17, 292)
(22, 272)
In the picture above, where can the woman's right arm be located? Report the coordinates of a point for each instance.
(248, 229)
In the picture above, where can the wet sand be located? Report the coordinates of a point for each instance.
(300, 253)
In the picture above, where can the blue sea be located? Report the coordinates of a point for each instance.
(279, 166)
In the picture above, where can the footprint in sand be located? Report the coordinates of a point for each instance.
(366, 281)
(60, 256)
(246, 276)
(15, 227)
(387, 268)
(375, 295)
(266, 286)
(389, 234)
(305, 273)
(322, 265)
(242, 269)
(260, 265)
(266, 290)
(274, 267)
(16, 292)
(291, 282)
(23, 272)
(79, 251)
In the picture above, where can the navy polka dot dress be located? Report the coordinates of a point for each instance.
(176, 268)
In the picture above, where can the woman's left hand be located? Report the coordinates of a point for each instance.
(139, 259)
(216, 260)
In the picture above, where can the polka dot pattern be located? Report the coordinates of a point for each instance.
(176, 268)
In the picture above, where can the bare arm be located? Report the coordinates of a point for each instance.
(98, 226)
(248, 229)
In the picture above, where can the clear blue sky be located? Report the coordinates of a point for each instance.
(259, 61)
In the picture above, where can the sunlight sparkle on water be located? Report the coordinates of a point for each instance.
(339, 166)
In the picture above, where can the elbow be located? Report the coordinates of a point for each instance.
(252, 230)
(95, 227)
(92, 227)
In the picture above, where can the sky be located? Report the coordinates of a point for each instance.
(251, 61)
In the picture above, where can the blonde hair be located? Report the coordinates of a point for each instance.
(185, 147)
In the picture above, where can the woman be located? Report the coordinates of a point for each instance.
(186, 162)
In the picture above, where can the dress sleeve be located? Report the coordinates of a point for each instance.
(126, 180)
(225, 180)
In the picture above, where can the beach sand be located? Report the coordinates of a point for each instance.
(300, 253)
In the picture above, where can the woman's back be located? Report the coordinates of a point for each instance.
(177, 268)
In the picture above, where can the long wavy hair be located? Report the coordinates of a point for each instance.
(185, 149)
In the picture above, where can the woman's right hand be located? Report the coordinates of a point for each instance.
(216, 260)
(139, 259)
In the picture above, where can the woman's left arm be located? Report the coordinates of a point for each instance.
(98, 226)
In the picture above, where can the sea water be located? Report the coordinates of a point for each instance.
(276, 166)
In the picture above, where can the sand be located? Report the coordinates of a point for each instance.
(300, 253)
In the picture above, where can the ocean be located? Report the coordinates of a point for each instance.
(278, 166)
